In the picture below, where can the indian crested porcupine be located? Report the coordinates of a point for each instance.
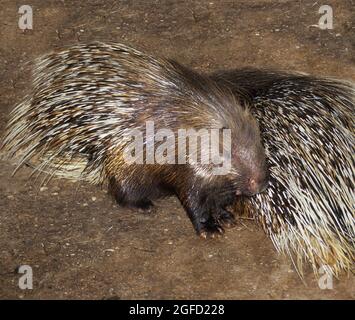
(85, 102)
(307, 126)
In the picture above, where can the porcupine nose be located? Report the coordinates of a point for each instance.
(258, 185)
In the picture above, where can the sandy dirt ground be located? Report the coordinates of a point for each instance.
(78, 242)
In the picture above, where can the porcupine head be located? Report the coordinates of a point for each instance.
(248, 166)
(236, 151)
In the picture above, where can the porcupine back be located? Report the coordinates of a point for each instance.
(308, 132)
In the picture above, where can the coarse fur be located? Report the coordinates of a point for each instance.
(86, 100)
(307, 126)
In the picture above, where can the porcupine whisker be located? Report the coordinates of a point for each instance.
(47, 161)
(51, 174)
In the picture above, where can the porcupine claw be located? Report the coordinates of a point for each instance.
(226, 219)
(211, 230)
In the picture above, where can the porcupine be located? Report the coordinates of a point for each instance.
(86, 100)
(307, 127)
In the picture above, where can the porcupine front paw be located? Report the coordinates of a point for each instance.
(226, 218)
(209, 228)
(145, 206)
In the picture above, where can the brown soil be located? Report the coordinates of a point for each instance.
(79, 243)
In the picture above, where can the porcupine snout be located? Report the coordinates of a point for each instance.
(258, 184)
(254, 181)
